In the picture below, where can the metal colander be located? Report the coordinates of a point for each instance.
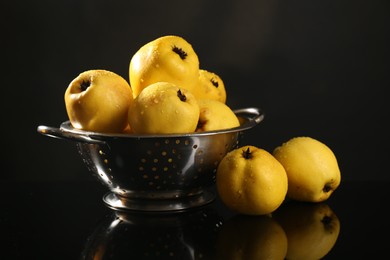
(156, 172)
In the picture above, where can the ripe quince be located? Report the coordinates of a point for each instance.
(168, 58)
(251, 181)
(164, 108)
(98, 100)
(210, 86)
(312, 169)
(215, 115)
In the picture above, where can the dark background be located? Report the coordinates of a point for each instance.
(317, 68)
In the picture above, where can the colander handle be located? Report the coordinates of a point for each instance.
(58, 133)
(253, 113)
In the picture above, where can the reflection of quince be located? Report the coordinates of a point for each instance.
(251, 237)
(188, 235)
(312, 229)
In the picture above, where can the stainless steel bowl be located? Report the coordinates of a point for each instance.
(167, 172)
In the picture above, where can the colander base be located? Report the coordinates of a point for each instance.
(116, 202)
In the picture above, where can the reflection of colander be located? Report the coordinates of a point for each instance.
(127, 235)
(156, 172)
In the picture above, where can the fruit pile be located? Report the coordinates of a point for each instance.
(253, 181)
(167, 93)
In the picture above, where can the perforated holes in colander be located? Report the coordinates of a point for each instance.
(157, 165)
(105, 176)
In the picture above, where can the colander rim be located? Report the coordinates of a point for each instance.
(251, 117)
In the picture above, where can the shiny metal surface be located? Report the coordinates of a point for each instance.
(114, 201)
(156, 167)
